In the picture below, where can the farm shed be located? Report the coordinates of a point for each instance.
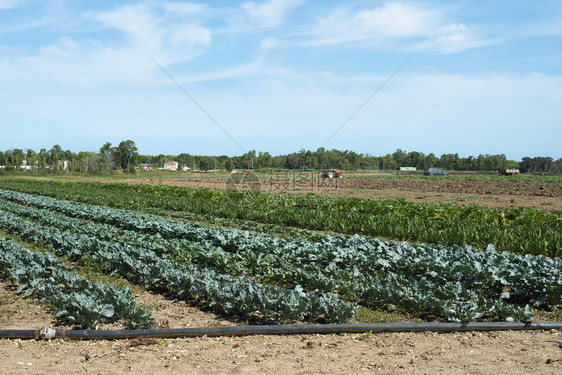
(171, 165)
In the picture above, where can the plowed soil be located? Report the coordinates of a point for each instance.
(545, 196)
(464, 186)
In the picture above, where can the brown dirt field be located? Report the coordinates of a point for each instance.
(495, 194)
(464, 186)
(385, 353)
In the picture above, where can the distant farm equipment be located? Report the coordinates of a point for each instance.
(434, 172)
(332, 173)
(508, 171)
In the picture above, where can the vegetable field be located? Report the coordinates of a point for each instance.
(519, 230)
(275, 273)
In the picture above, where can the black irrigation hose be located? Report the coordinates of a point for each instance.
(288, 329)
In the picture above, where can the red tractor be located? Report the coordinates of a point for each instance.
(332, 173)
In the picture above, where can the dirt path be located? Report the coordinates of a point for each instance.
(398, 353)
(407, 353)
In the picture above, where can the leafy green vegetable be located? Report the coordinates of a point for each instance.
(459, 283)
(221, 291)
(79, 300)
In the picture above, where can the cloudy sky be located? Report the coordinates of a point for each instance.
(283, 75)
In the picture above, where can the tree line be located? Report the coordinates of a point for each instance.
(121, 157)
(125, 157)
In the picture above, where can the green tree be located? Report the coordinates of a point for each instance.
(401, 158)
(108, 156)
(450, 161)
(42, 158)
(388, 162)
(127, 154)
(31, 158)
(54, 156)
(431, 161)
(537, 164)
(17, 157)
(415, 159)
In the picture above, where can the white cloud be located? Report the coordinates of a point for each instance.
(137, 21)
(256, 67)
(415, 25)
(269, 14)
(391, 20)
(118, 55)
(454, 38)
(10, 4)
(397, 20)
(151, 30)
(191, 34)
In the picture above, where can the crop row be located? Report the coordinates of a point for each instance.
(522, 230)
(223, 292)
(457, 283)
(79, 300)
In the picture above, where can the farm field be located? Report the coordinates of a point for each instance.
(413, 353)
(545, 196)
(290, 264)
(523, 230)
(541, 192)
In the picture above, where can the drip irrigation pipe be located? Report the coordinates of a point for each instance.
(288, 329)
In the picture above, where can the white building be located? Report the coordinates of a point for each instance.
(171, 165)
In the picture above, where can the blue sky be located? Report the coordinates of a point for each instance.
(283, 75)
